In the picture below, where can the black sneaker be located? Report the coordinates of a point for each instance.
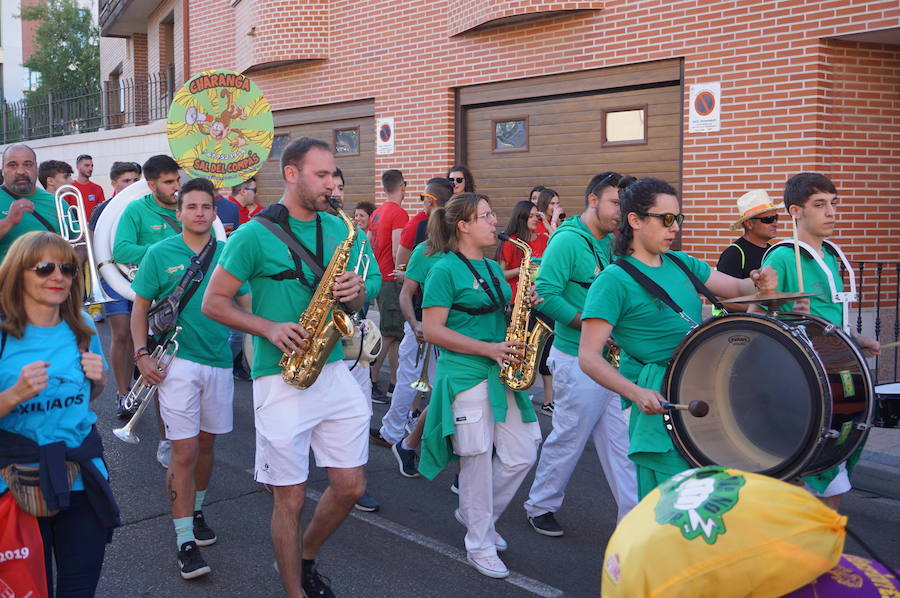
(202, 532)
(314, 584)
(407, 459)
(190, 562)
(375, 436)
(121, 411)
(379, 396)
(546, 525)
(454, 487)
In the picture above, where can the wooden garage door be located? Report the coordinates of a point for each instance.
(565, 145)
(323, 123)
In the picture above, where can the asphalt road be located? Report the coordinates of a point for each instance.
(412, 548)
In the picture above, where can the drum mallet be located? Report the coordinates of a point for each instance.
(695, 408)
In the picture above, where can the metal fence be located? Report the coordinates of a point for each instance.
(878, 286)
(118, 103)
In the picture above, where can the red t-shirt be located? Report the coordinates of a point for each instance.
(408, 236)
(387, 218)
(512, 255)
(92, 194)
(243, 213)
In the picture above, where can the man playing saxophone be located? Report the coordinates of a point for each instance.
(279, 253)
(195, 392)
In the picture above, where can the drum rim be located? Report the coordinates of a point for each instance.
(810, 446)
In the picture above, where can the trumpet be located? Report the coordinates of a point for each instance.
(422, 384)
(73, 227)
(142, 393)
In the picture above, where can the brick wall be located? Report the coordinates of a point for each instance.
(783, 87)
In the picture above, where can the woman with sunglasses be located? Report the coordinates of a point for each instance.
(522, 226)
(461, 178)
(549, 210)
(644, 327)
(51, 368)
(471, 412)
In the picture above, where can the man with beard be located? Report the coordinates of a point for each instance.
(578, 251)
(143, 222)
(23, 207)
(278, 253)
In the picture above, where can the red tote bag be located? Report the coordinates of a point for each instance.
(21, 553)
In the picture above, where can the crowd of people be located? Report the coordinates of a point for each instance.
(443, 288)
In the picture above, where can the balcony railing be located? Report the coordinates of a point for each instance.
(120, 103)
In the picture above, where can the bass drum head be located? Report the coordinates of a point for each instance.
(764, 389)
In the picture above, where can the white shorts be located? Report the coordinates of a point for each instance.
(195, 397)
(332, 416)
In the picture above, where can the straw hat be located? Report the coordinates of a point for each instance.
(753, 203)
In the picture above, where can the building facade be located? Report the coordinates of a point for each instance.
(550, 92)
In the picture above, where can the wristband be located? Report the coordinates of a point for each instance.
(142, 352)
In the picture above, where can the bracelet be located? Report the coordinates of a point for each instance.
(142, 352)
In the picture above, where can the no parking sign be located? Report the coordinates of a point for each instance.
(705, 108)
(384, 136)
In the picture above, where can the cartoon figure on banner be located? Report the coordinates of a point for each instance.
(220, 127)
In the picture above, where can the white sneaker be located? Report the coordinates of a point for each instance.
(499, 543)
(491, 566)
(164, 453)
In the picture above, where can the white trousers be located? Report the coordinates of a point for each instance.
(583, 409)
(394, 421)
(488, 482)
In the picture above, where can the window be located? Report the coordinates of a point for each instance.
(278, 145)
(510, 135)
(624, 126)
(346, 142)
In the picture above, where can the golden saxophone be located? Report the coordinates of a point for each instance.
(302, 370)
(521, 375)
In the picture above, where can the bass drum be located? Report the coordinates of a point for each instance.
(787, 397)
(117, 275)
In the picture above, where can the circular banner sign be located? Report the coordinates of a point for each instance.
(220, 127)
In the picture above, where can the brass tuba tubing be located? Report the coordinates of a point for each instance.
(73, 227)
(141, 394)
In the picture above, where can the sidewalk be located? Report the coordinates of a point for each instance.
(878, 469)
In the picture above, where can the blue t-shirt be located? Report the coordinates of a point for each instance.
(62, 411)
(228, 213)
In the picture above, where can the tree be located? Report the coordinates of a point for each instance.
(66, 49)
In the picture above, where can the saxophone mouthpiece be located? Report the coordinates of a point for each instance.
(333, 201)
(503, 236)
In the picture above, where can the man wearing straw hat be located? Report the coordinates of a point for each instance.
(759, 220)
(811, 263)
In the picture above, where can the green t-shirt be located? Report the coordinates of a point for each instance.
(646, 328)
(450, 282)
(140, 226)
(420, 263)
(44, 204)
(253, 254)
(573, 256)
(814, 281)
(201, 340)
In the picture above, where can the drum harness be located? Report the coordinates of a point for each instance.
(844, 298)
(660, 293)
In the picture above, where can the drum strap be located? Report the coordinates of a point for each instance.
(845, 298)
(660, 293)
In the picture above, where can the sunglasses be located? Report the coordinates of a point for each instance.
(457, 179)
(422, 196)
(767, 219)
(668, 218)
(45, 269)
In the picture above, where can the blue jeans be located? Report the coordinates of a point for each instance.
(77, 540)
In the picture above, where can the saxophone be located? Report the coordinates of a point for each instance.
(520, 376)
(302, 370)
